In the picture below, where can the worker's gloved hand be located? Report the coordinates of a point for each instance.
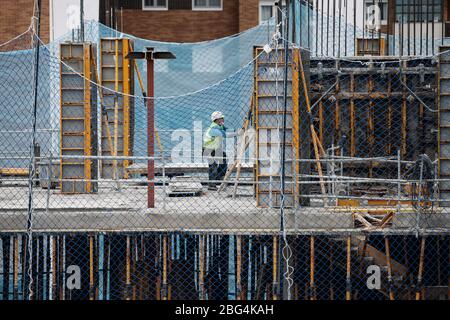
(238, 133)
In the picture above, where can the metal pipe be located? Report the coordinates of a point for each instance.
(389, 267)
(91, 268)
(442, 23)
(238, 267)
(128, 269)
(16, 267)
(334, 26)
(419, 286)
(165, 267)
(274, 268)
(427, 26)
(53, 268)
(415, 26)
(150, 129)
(317, 26)
(321, 28)
(300, 19)
(82, 21)
(421, 26)
(312, 284)
(432, 27)
(372, 31)
(201, 262)
(339, 27)
(328, 24)
(348, 286)
(354, 28)
(409, 32)
(309, 23)
(400, 27)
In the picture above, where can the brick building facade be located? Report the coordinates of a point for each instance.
(179, 21)
(15, 18)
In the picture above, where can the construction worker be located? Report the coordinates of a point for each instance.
(213, 149)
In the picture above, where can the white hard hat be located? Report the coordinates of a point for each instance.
(216, 115)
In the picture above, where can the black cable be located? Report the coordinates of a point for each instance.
(283, 152)
(32, 168)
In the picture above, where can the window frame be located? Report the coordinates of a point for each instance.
(194, 8)
(154, 8)
(416, 16)
(263, 3)
(268, 3)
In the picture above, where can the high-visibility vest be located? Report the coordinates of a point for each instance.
(210, 142)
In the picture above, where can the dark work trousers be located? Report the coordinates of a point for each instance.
(217, 162)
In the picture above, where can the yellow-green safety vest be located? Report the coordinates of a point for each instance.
(210, 142)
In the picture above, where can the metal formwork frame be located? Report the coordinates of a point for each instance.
(87, 114)
(443, 128)
(121, 84)
(296, 117)
(274, 194)
(76, 71)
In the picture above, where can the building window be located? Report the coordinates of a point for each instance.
(206, 4)
(154, 4)
(376, 9)
(265, 12)
(268, 9)
(418, 10)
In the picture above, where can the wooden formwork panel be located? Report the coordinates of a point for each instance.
(77, 118)
(116, 75)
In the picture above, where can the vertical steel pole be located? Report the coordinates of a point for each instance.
(339, 27)
(91, 268)
(328, 23)
(348, 280)
(82, 20)
(414, 25)
(317, 27)
(442, 23)
(345, 26)
(432, 27)
(408, 23)
(309, 23)
(427, 27)
(321, 29)
(334, 26)
(421, 26)
(150, 129)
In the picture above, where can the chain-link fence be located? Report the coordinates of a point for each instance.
(329, 183)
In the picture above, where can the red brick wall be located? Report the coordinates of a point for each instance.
(248, 14)
(15, 18)
(191, 25)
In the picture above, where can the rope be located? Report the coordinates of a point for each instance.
(17, 37)
(158, 98)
